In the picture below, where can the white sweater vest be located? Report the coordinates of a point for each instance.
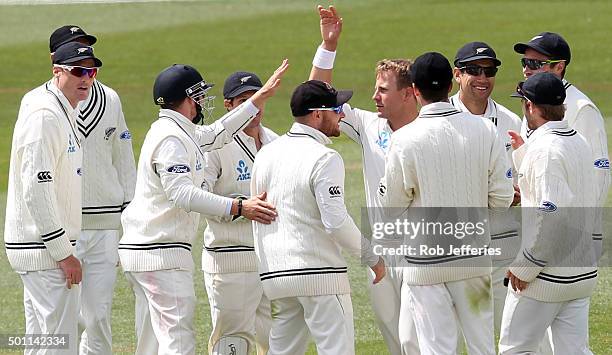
(158, 235)
(297, 257)
(43, 205)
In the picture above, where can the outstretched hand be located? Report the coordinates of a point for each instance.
(269, 88)
(331, 27)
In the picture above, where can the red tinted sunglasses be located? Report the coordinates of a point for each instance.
(79, 71)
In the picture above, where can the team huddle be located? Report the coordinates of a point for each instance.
(78, 206)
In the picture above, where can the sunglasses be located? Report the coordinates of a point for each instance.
(79, 71)
(535, 64)
(337, 109)
(476, 70)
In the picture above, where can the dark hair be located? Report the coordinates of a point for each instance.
(174, 105)
(434, 95)
(552, 112)
(401, 68)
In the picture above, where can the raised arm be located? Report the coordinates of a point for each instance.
(331, 27)
(221, 131)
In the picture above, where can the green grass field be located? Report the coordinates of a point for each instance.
(136, 41)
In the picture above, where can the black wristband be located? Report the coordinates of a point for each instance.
(239, 207)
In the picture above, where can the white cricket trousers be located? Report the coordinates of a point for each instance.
(238, 307)
(165, 309)
(526, 321)
(50, 308)
(392, 312)
(328, 318)
(498, 274)
(442, 311)
(98, 253)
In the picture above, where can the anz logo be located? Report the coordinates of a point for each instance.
(198, 164)
(547, 206)
(602, 163)
(383, 140)
(509, 173)
(71, 146)
(243, 171)
(125, 135)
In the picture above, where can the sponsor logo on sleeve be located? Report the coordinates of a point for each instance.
(509, 173)
(547, 206)
(109, 132)
(125, 135)
(382, 189)
(79, 172)
(198, 164)
(243, 171)
(508, 146)
(602, 163)
(44, 176)
(179, 169)
(335, 191)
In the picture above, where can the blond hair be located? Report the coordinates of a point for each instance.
(401, 68)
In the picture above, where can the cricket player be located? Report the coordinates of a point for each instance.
(549, 52)
(446, 158)
(240, 312)
(108, 180)
(43, 212)
(301, 265)
(555, 273)
(396, 106)
(476, 65)
(160, 223)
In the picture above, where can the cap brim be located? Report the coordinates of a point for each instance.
(241, 90)
(522, 47)
(97, 62)
(343, 97)
(91, 39)
(516, 94)
(478, 57)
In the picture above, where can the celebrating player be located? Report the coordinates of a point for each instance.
(240, 312)
(396, 106)
(161, 222)
(476, 65)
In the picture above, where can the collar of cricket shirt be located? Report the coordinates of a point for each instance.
(71, 112)
(302, 130)
(560, 128)
(490, 111)
(183, 122)
(438, 109)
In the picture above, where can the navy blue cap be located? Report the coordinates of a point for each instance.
(475, 51)
(316, 94)
(73, 52)
(68, 33)
(550, 44)
(431, 71)
(240, 82)
(542, 89)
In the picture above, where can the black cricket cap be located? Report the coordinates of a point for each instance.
(431, 71)
(550, 44)
(475, 51)
(66, 34)
(316, 94)
(542, 89)
(240, 82)
(72, 52)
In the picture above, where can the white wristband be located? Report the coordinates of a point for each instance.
(324, 59)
